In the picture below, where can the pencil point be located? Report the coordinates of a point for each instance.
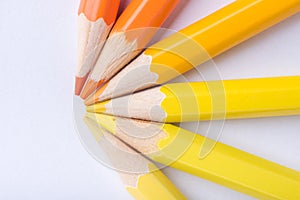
(79, 83)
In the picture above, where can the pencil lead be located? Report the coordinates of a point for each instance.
(79, 83)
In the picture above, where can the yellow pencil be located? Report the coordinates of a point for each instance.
(230, 99)
(196, 44)
(143, 180)
(225, 165)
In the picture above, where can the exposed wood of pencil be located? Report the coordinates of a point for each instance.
(225, 165)
(131, 33)
(95, 20)
(196, 44)
(228, 99)
(142, 178)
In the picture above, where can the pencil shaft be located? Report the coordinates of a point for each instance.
(232, 99)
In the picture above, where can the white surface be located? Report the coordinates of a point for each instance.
(41, 156)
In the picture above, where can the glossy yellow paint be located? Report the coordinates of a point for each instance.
(150, 186)
(224, 164)
(232, 99)
(215, 34)
(230, 167)
(155, 185)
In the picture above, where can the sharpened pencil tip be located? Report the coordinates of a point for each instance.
(79, 83)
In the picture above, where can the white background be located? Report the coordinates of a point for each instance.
(41, 155)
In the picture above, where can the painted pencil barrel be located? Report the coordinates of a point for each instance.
(142, 18)
(232, 99)
(215, 34)
(95, 9)
(230, 167)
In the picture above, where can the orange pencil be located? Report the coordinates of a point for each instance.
(131, 33)
(95, 20)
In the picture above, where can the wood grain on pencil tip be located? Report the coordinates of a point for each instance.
(228, 99)
(225, 165)
(133, 30)
(143, 180)
(95, 20)
(197, 43)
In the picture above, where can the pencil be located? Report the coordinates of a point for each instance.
(230, 99)
(143, 180)
(95, 20)
(131, 33)
(170, 145)
(196, 44)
